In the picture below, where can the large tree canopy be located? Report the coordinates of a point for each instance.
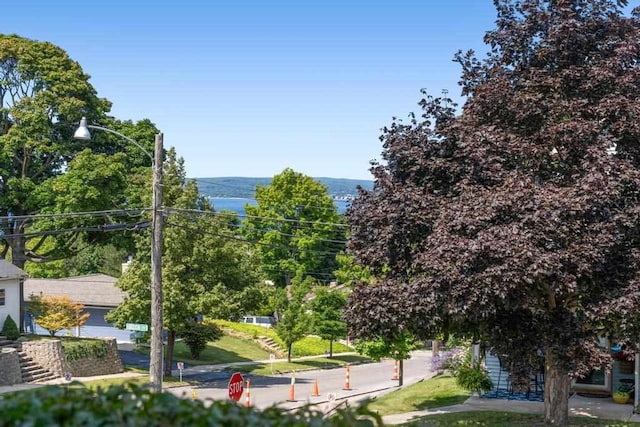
(516, 221)
(296, 227)
(43, 170)
(203, 262)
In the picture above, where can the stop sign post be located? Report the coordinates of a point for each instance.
(236, 386)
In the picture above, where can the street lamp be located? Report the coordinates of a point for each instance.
(155, 368)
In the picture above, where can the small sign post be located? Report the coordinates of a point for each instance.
(141, 327)
(272, 357)
(180, 368)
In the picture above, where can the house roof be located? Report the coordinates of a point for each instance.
(98, 290)
(10, 271)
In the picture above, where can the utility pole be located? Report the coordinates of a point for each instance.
(155, 368)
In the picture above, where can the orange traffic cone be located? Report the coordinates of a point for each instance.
(347, 385)
(395, 370)
(247, 396)
(292, 388)
(315, 389)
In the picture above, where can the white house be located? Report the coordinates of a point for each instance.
(11, 278)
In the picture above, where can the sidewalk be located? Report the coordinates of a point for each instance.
(602, 408)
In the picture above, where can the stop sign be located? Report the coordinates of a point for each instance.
(236, 386)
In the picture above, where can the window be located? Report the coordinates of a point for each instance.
(1, 296)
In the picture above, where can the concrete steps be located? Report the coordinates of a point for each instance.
(32, 372)
(270, 345)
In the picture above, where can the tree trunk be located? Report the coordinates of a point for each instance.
(556, 393)
(289, 352)
(330, 348)
(400, 372)
(435, 344)
(18, 258)
(168, 362)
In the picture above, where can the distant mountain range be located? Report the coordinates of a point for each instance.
(244, 187)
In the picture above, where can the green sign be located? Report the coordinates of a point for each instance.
(137, 327)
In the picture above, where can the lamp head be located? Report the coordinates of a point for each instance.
(82, 133)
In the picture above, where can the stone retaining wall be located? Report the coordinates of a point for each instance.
(9, 367)
(50, 355)
(46, 353)
(91, 366)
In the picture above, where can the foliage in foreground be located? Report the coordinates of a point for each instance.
(132, 406)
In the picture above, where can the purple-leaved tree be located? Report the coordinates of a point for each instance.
(516, 221)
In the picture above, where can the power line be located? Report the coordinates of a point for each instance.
(298, 221)
(129, 212)
(282, 233)
(240, 239)
(103, 228)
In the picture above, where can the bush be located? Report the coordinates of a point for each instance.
(197, 335)
(82, 348)
(132, 406)
(10, 329)
(473, 378)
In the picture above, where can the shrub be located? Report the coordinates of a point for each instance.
(76, 349)
(132, 406)
(473, 377)
(10, 329)
(197, 335)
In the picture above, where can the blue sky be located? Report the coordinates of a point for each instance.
(247, 88)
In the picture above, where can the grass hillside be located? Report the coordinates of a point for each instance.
(308, 346)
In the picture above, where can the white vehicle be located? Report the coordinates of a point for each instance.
(266, 321)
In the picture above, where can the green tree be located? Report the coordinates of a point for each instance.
(202, 260)
(293, 322)
(57, 312)
(9, 328)
(398, 348)
(296, 228)
(350, 272)
(516, 221)
(197, 335)
(326, 318)
(43, 93)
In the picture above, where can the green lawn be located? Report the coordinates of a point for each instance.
(301, 365)
(141, 381)
(506, 419)
(226, 350)
(239, 346)
(442, 391)
(308, 346)
(432, 393)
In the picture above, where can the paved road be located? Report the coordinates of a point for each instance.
(275, 389)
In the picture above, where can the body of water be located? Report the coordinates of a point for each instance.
(238, 204)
